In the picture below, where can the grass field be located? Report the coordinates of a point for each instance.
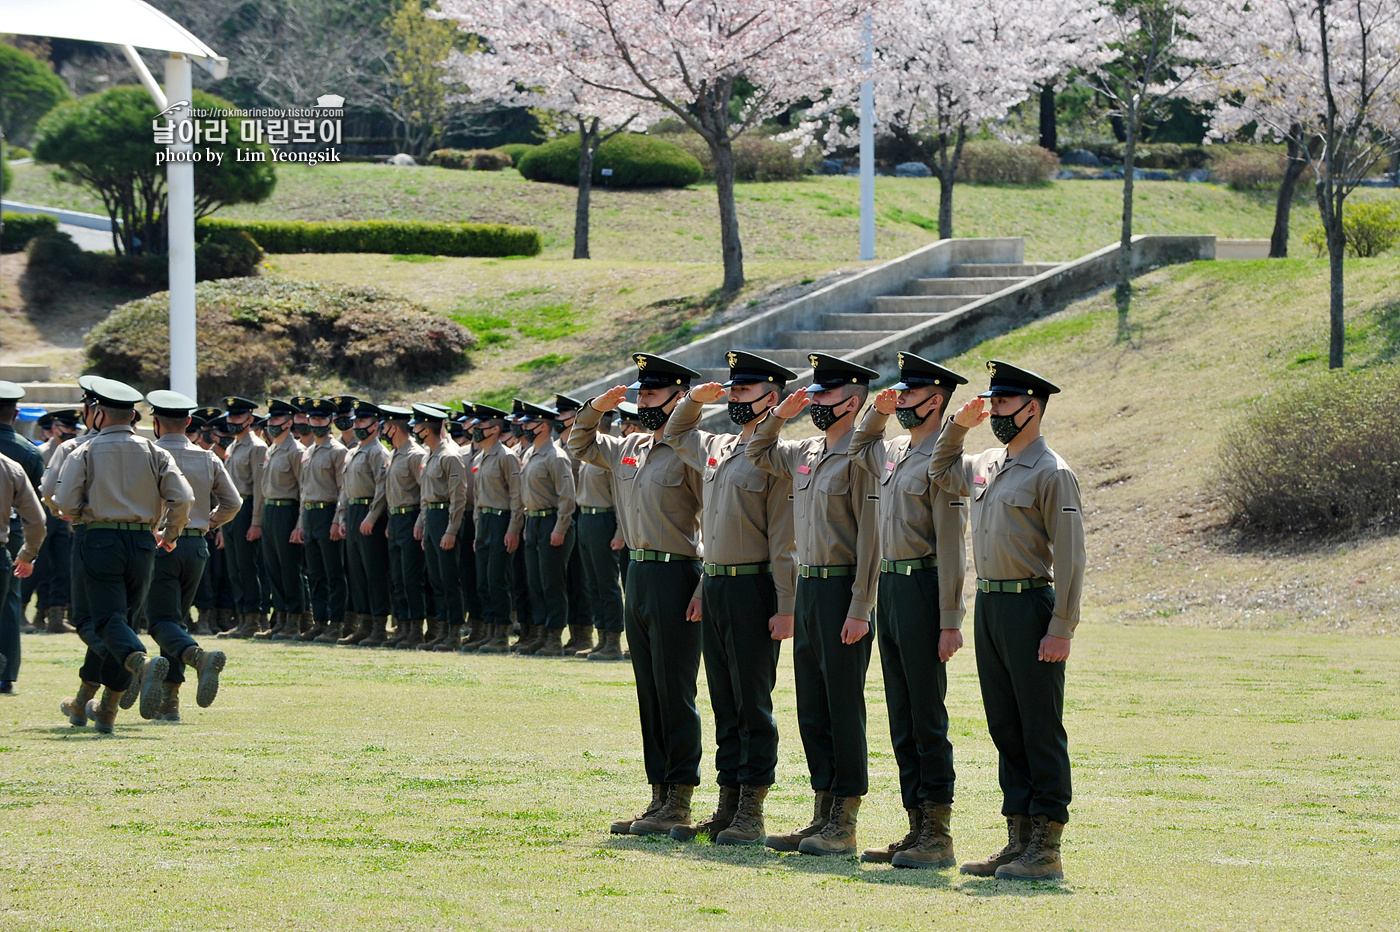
(1224, 780)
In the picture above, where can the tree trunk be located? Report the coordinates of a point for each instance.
(1123, 291)
(947, 175)
(1049, 137)
(1278, 243)
(587, 141)
(1332, 204)
(730, 246)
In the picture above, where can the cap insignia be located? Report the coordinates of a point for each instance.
(733, 359)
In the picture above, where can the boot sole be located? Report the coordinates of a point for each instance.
(1053, 875)
(783, 846)
(867, 858)
(819, 852)
(978, 871)
(925, 865)
(153, 688)
(721, 840)
(209, 680)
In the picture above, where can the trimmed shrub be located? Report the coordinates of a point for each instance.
(991, 161)
(756, 158)
(1320, 457)
(21, 228)
(516, 150)
(17, 152)
(480, 160)
(226, 254)
(54, 259)
(636, 161)
(394, 237)
(1251, 171)
(259, 336)
(1370, 229)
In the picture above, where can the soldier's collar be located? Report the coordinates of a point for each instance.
(1030, 455)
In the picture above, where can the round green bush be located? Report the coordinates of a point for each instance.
(516, 150)
(636, 161)
(21, 228)
(991, 161)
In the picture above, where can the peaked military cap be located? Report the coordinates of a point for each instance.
(236, 405)
(660, 372)
(367, 409)
(221, 425)
(918, 372)
(429, 412)
(394, 413)
(170, 404)
(86, 383)
(208, 412)
(116, 394)
(344, 404)
(276, 407)
(530, 411)
(830, 372)
(259, 422)
(1013, 380)
(748, 369)
(9, 391)
(300, 402)
(319, 407)
(195, 424)
(45, 421)
(564, 403)
(68, 416)
(488, 413)
(628, 411)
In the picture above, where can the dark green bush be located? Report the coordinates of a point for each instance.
(756, 158)
(259, 336)
(991, 161)
(226, 254)
(636, 161)
(516, 150)
(1319, 458)
(54, 259)
(21, 228)
(480, 160)
(394, 237)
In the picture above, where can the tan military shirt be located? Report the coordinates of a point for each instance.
(281, 476)
(364, 470)
(443, 481)
(16, 492)
(49, 485)
(834, 505)
(322, 465)
(547, 483)
(747, 515)
(245, 466)
(216, 501)
(657, 492)
(47, 448)
(917, 518)
(402, 486)
(1026, 517)
(118, 476)
(496, 475)
(594, 486)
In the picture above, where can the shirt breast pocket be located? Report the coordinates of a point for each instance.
(751, 480)
(625, 473)
(837, 483)
(1020, 498)
(670, 476)
(914, 484)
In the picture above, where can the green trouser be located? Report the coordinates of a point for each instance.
(282, 556)
(546, 572)
(520, 587)
(242, 561)
(741, 667)
(665, 663)
(98, 666)
(466, 567)
(916, 684)
(325, 566)
(9, 639)
(406, 569)
(1025, 701)
(367, 563)
(602, 588)
(442, 568)
(830, 678)
(580, 612)
(118, 566)
(174, 584)
(493, 568)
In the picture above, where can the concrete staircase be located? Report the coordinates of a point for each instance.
(38, 390)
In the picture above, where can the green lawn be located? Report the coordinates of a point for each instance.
(1224, 780)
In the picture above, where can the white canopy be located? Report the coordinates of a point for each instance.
(111, 22)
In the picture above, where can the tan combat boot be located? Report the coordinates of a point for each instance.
(170, 707)
(55, 623)
(1018, 833)
(400, 632)
(1041, 859)
(364, 627)
(478, 634)
(308, 628)
(208, 664)
(104, 713)
(331, 633)
(552, 645)
(838, 836)
(499, 643)
(674, 811)
(204, 626)
(610, 649)
(747, 826)
(658, 794)
(934, 847)
(279, 618)
(378, 634)
(147, 679)
(531, 637)
(450, 641)
(247, 626)
(580, 639)
(883, 855)
(434, 634)
(414, 636)
(715, 822)
(76, 708)
(821, 811)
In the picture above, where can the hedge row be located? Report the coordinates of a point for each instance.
(21, 228)
(479, 160)
(395, 237)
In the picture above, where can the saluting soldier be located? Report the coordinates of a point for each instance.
(549, 498)
(363, 523)
(838, 551)
(500, 517)
(444, 504)
(177, 572)
(401, 494)
(1028, 548)
(122, 487)
(18, 497)
(598, 576)
(749, 590)
(919, 610)
(246, 454)
(660, 497)
(276, 516)
(321, 468)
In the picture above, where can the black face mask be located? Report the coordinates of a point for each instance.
(224, 442)
(344, 423)
(361, 433)
(478, 435)
(1004, 425)
(516, 430)
(742, 412)
(301, 430)
(321, 431)
(823, 416)
(207, 436)
(274, 432)
(64, 436)
(909, 418)
(655, 418)
(557, 426)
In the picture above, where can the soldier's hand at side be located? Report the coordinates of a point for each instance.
(512, 542)
(448, 542)
(708, 393)
(1053, 649)
(418, 532)
(337, 532)
(556, 539)
(793, 404)
(972, 413)
(366, 527)
(23, 569)
(609, 399)
(950, 640)
(692, 611)
(854, 629)
(219, 539)
(780, 627)
(298, 536)
(254, 533)
(887, 401)
(167, 545)
(617, 543)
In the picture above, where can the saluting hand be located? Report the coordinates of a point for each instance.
(887, 401)
(707, 394)
(972, 413)
(793, 404)
(854, 629)
(692, 611)
(1053, 649)
(609, 399)
(780, 627)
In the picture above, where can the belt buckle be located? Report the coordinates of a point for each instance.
(825, 570)
(1018, 587)
(731, 571)
(909, 569)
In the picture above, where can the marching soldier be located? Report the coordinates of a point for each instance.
(53, 591)
(122, 487)
(276, 515)
(920, 609)
(837, 546)
(178, 570)
(363, 523)
(1028, 548)
(548, 497)
(321, 467)
(749, 585)
(244, 464)
(598, 567)
(213, 591)
(17, 493)
(659, 497)
(444, 504)
(499, 517)
(401, 494)
(31, 461)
